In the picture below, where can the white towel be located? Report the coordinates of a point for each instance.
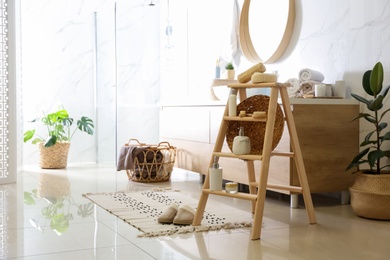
(309, 74)
(294, 87)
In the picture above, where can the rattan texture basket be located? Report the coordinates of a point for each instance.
(370, 196)
(54, 157)
(153, 164)
(255, 130)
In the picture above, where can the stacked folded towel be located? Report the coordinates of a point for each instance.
(304, 84)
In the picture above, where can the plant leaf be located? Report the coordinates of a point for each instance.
(382, 126)
(367, 139)
(85, 124)
(361, 99)
(385, 137)
(37, 140)
(376, 79)
(28, 135)
(384, 113)
(376, 104)
(385, 91)
(67, 121)
(357, 159)
(366, 82)
(51, 141)
(374, 156)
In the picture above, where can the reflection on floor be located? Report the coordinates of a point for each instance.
(44, 216)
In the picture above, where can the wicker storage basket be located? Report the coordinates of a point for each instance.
(54, 157)
(154, 163)
(370, 196)
(255, 130)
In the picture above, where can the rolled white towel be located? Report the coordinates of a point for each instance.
(294, 87)
(309, 74)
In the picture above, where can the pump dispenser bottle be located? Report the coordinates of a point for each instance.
(215, 176)
(232, 103)
(241, 143)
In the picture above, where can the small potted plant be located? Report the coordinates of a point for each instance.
(370, 193)
(55, 147)
(230, 72)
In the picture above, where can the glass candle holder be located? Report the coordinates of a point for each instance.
(231, 187)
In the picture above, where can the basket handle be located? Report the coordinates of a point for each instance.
(164, 144)
(135, 140)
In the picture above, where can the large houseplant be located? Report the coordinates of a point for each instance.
(55, 146)
(370, 193)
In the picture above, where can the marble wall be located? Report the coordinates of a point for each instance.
(99, 59)
(340, 38)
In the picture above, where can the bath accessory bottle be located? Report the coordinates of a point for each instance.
(241, 143)
(215, 176)
(232, 103)
(217, 70)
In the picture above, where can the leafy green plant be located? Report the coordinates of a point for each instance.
(229, 66)
(373, 153)
(58, 125)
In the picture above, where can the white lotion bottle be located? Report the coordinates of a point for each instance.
(232, 103)
(215, 176)
(241, 143)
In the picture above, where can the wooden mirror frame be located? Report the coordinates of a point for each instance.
(246, 41)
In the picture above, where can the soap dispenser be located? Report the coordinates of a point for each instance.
(241, 143)
(232, 103)
(215, 176)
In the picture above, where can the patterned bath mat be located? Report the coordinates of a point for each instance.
(141, 210)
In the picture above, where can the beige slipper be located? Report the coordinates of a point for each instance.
(185, 215)
(168, 215)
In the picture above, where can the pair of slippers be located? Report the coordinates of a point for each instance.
(183, 215)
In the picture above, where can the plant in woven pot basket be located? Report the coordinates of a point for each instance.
(230, 72)
(55, 147)
(370, 193)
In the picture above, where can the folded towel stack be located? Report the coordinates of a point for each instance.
(304, 84)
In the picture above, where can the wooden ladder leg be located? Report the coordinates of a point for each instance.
(298, 156)
(217, 148)
(263, 179)
(251, 179)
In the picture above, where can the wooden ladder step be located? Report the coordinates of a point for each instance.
(248, 157)
(247, 119)
(238, 195)
(295, 189)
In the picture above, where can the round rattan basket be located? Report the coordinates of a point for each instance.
(370, 196)
(255, 130)
(153, 164)
(54, 157)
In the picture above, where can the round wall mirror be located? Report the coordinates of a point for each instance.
(266, 27)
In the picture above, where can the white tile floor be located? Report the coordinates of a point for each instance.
(26, 234)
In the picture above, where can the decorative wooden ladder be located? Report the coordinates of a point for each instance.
(257, 189)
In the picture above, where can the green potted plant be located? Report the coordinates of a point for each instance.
(54, 147)
(230, 72)
(370, 193)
